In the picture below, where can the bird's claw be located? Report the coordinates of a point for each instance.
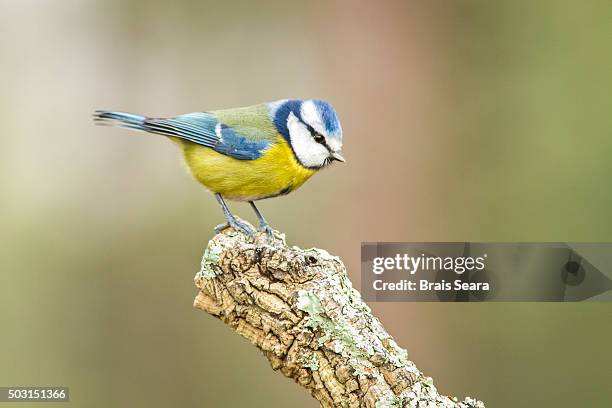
(268, 230)
(237, 225)
(219, 228)
(246, 229)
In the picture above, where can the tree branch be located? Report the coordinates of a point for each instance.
(300, 309)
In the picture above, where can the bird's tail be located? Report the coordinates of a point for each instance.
(120, 119)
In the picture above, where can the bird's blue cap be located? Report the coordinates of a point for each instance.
(280, 111)
(329, 117)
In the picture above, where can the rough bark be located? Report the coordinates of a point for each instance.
(300, 309)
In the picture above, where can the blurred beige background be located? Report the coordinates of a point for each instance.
(463, 120)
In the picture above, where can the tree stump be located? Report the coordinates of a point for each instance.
(299, 308)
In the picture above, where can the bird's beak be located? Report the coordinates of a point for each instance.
(338, 156)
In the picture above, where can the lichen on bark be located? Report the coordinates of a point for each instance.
(300, 309)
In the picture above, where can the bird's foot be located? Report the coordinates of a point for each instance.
(237, 225)
(219, 228)
(268, 230)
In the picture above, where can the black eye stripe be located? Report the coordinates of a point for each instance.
(310, 129)
(316, 135)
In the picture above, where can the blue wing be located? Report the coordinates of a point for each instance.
(204, 129)
(200, 127)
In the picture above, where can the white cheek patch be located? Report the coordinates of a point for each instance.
(310, 114)
(308, 152)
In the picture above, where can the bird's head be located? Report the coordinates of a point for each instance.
(311, 128)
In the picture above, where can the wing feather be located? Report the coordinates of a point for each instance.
(247, 140)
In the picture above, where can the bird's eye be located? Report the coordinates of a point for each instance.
(318, 138)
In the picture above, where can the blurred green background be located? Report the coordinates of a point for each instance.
(463, 120)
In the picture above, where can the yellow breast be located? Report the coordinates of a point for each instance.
(276, 172)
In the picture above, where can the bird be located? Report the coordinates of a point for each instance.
(249, 153)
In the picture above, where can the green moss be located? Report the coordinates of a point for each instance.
(399, 354)
(211, 257)
(311, 362)
(308, 302)
(348, 342)
(361, 374)
(388, 402)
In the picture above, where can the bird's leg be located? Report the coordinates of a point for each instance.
(263, 225)
(231, 220)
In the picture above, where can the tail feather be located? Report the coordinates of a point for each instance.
(120, 119)
(184, 127)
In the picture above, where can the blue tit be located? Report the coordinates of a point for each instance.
(249, 153)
